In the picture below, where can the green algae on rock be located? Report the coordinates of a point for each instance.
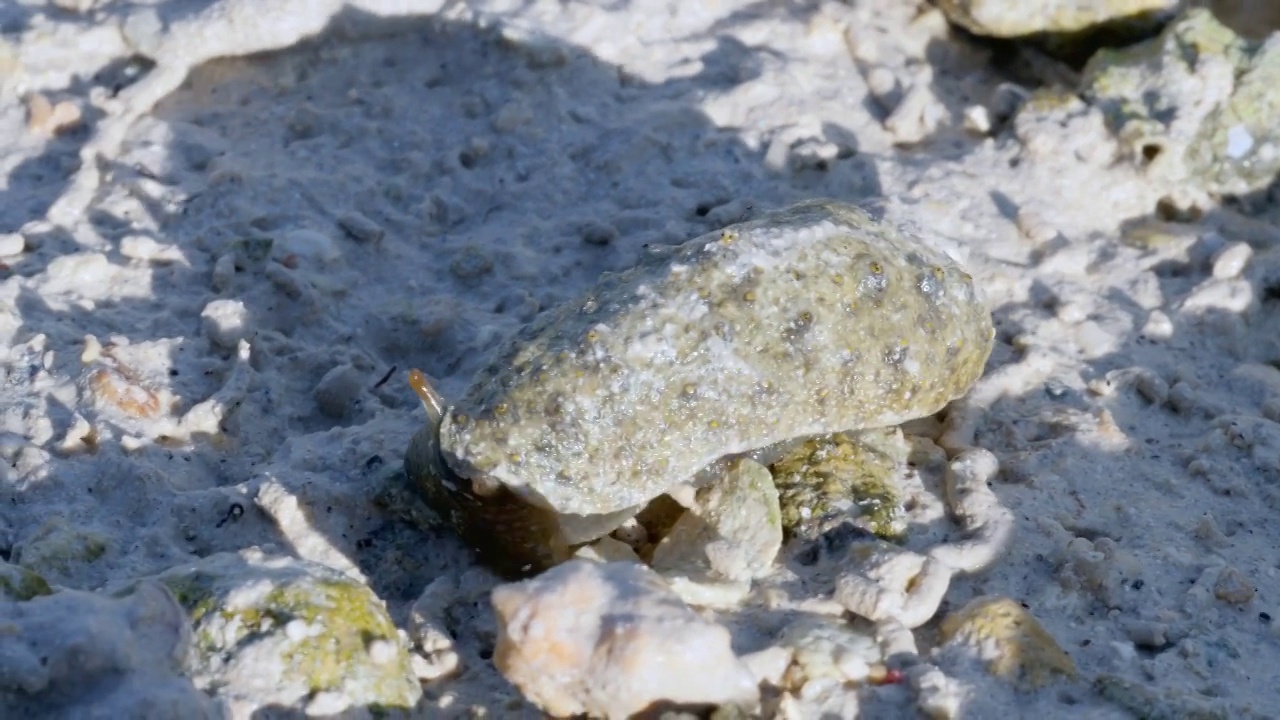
(287, 630)
(807, 321)
(824, 481)
(56, 549)
(1196, 105)
(19, 583)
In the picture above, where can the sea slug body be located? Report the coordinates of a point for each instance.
(804, 322)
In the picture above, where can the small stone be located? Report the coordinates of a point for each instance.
(511, 116)
(828, 648)
(11, 244)
(1034, 227)
(226, 323)
(296, 630)
(883, 86)
(306, 243)
(224, 271)
(361, 228)
(1183, 398)
(733, 533)
(470, 263)
(1230, 262)
(51, 119)
(612, 640)
(1233, 586)
(916, 117)
(383, 651)
(1024, 651)
(438, 665)
(338, 391)
(1151, 387)
(141, 247)
(977, 119)
(1159, 326)
(608, 549)
(1147, 634)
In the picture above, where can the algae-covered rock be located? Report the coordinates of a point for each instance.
(1024, 652)
(84, 655)
(845, 477)
(1016, 18)
(57, 549)
(1196, 105)
(19, 583)
(286, 632)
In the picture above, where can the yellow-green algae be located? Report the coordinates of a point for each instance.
(57, 547)
(1198, 102)
(19, 583)
(848, 476)
(343, 619)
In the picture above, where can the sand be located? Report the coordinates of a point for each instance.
(433, 175)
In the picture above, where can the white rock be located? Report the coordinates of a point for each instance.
(226, 322)
(306, 243)
(733, 533)
(611, 639)
(11, 244)
(337, 392)
(1230, 262)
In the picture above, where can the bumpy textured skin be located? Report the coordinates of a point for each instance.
(807, 321)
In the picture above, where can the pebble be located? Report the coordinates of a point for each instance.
(1183, 398)
(470, 263)
(361, 228)
(226, 322)
(916, 117)
(1147, 634)
(977, 119)
(141, 247)
(48, 118)
(1233, 586)
(883, 86)
(1151, 387)
(612, 640)
(338, 391)
(1024, 651)
(1231, 260)
(11, 244)
(828, 648)
(1158, 326)
(734, 533)
(1034, 227)
(224, 271)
